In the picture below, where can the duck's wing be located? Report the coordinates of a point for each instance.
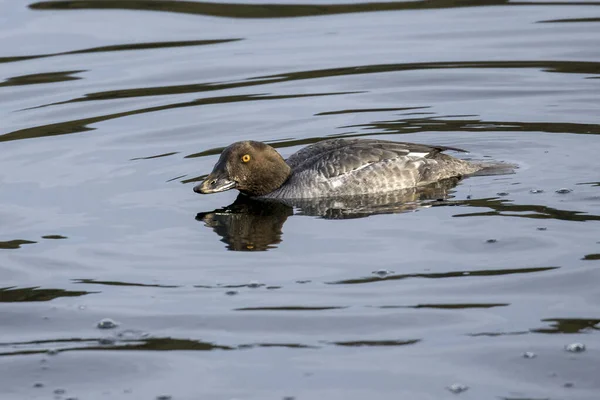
(336, 157)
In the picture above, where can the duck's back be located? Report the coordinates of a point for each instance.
(366, 166)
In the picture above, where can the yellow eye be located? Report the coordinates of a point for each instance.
(246, 158)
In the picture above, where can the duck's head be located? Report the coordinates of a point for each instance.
(253, 168)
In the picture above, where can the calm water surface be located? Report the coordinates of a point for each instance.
(112, 110)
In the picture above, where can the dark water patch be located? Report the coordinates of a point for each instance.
(171, 344)
(116, 283)
(569, 325)
(570, 20)
(452, 306)
(570, 67)
(81, 125)
(369, 110)
(276, 345)
(237, 10)
(576, 67)
(156, 156)
(289, 308)
(33, 294)
(439, 124)
(376, 343)
(14, 244)
(506, 209)
(498, 334)
(196, 179)
(54, 237)
(591, 257)
(149, 344)
(46, 77)
(589, 183)
(454, 274)
(122, 47)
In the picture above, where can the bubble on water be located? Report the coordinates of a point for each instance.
(38, 385)
(568, 384)
(231, 292)
(564, 191)
(502, 193)
(575, 347)
(52, 352)
(60, 391)
(536, 191)
(107, 323)
(541, 228)
(382, 273)
(255, 284)
(457, 388)
(491, 240)
(529, 354)
(82, 307)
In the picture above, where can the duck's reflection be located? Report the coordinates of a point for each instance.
(256, 224)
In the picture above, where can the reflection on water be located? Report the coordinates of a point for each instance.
(569, 325)
(12, 295)
(237, 10)
(256, 224)
(141, 343)
(453, 274)
(503, 207)
(48, 77)
(14, 244)
(109, 343)
(120, 47)
(116, 283)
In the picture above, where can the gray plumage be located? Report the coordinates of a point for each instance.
(367, 166)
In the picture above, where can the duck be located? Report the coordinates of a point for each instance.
(334, 167)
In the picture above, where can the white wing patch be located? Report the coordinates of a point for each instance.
(415, 154)
(336, 183)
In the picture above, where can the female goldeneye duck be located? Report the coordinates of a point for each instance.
(337, 167)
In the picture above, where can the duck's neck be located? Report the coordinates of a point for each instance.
(268, 179)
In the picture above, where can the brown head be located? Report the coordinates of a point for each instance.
(253, 168)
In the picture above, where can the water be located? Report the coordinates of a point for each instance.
(111, 111)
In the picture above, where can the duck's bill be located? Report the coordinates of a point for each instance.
(214, 185)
